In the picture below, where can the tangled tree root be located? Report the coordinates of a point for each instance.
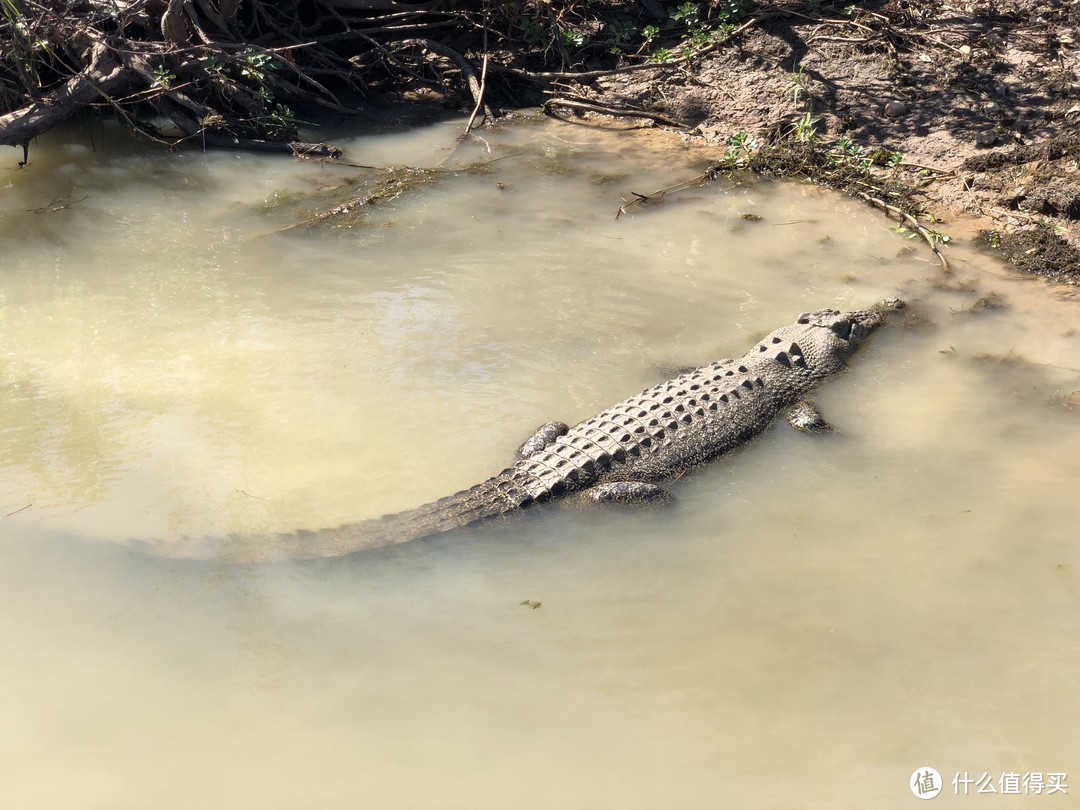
(232, 72)
(221, 72)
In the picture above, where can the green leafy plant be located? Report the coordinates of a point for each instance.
(798, 85)
(623, 31)
(215, 67)
(534, 32)
(701, 34)
(622, 34)
(741, 148)
(724, 30)
(686, 14)
(700, 37)
(573, 36)
(805, 130)
(734, 10)
(163, 79)
(845, 152)
(255, 64)
(282, 119)
(25, 55)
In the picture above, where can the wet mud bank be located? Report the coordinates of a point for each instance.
(959, 107)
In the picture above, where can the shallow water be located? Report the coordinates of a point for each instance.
(816, 618)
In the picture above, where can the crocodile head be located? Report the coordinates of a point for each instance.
(835, 335)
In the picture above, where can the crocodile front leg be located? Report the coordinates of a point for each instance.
(544, 435)
(806, 417)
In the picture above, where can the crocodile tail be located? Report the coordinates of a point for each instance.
(502, 494)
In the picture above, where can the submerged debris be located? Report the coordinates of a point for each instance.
(390, 184)
(354, 198)
(991, 300)
(1028, 380)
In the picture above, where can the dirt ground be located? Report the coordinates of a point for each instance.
(982, 99)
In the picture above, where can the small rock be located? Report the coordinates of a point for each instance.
(894, 109)
(991, 108)
(965, 51)
(986, 138)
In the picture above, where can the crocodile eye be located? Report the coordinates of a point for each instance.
(842, 329)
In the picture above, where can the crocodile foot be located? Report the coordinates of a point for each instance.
(806, 417)
(544, 435)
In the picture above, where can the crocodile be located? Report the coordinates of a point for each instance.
(626, 453)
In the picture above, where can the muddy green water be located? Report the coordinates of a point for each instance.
(815, 619)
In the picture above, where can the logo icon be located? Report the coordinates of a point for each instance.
(925, 783)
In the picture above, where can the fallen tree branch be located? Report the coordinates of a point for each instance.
(467, 71)
(587, 105)
(479, 101)
(103, 76)
(911, 222)
(659, 194)
(58, 204)
(483, 86)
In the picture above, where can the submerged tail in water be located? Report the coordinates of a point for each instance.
(497, 496)
(502, 494)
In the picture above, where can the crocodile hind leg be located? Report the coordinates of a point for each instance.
(806, 417)
(628, 492)
(544, 435)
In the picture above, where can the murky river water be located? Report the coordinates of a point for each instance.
(815, 619)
